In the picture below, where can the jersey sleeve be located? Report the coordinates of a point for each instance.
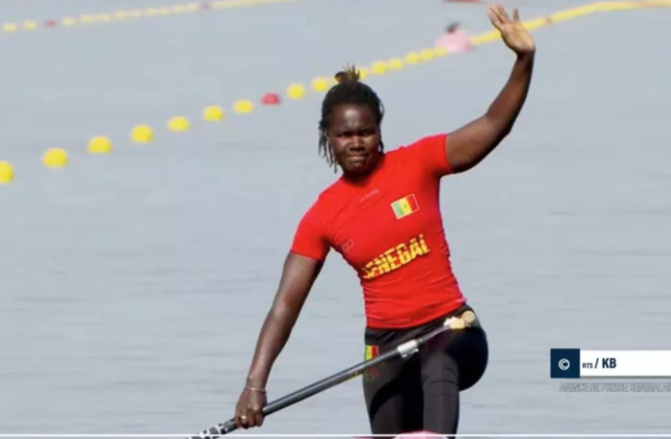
(430, 154)
(309, 239)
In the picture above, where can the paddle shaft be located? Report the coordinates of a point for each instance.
(402, 350)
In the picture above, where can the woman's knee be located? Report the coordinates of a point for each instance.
(472, 356)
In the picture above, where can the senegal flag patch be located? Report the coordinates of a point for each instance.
(405, 206)
(371, 352)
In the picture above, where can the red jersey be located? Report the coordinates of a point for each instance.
(389, 228)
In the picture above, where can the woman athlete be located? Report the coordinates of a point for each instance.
(403, 260)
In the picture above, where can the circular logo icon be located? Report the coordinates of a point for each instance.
(564, 364)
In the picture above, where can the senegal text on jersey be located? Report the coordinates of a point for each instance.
(395, 257)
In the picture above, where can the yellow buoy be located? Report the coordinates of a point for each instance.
(243, 106)
(427, 54)
(10, 27)
(100, 145)
(412, 58)
(55, 158)
(178, 123)
(320, 84)
(296, 91)
(379, 67)
(142, 134)
(213, 113)
(395, 64)
(485, 38)
(6, 172)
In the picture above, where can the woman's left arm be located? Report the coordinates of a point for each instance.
(470, 144)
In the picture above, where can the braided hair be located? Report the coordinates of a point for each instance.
(349, 90)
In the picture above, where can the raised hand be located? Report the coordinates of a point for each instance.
(513, 33)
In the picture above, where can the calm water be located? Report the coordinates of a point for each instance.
(133, 285)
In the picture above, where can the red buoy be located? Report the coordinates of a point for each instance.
(270, 99)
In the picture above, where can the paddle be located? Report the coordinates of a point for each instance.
(402, 350)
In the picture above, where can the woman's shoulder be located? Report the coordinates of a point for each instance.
(420, 143)
(326, 198)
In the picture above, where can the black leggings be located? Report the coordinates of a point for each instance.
(421, 392)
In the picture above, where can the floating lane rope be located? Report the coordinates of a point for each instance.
(143, 134)
(132, 14)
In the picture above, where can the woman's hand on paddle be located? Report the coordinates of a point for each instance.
(248, 410)
(513, 33)
(298, 275)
